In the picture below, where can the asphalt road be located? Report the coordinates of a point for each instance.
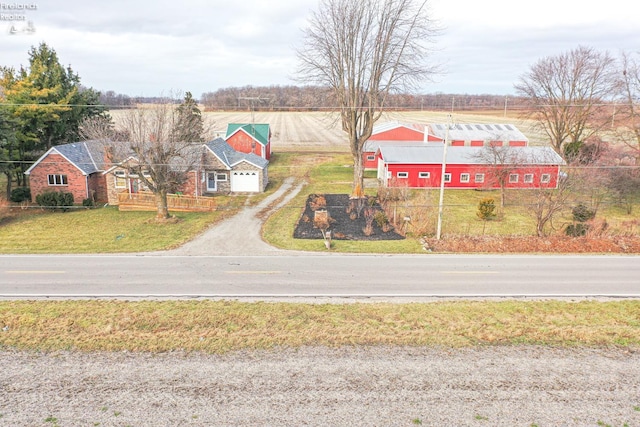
(319, 275)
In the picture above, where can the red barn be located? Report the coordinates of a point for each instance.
(250, 138)
(396, 131)
(466, 167)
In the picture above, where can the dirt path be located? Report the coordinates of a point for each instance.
(240, 234)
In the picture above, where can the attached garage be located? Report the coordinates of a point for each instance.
(245, 181)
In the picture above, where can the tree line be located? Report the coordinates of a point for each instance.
(317, 98)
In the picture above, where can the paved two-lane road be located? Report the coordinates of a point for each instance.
(319, 275)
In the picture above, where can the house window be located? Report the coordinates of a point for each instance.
(425, 175)
(403, 174)
(221, 177)
(528, 178)
(371, 158)
(57, 179)
(464, 177)
(545, 178)
(479, 178)
(120, 179)
(513, 178)
(447, 177)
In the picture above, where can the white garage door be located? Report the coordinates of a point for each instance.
(245, 181)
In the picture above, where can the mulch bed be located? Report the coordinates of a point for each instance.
(342, 226)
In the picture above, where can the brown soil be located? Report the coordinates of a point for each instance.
(531, 244)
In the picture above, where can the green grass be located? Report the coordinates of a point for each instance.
(104, 230)
(224, 326)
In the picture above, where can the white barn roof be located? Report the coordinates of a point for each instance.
(478, 132)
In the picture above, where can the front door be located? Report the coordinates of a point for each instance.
(211, 181)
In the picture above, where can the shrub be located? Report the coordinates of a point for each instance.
(486, 209)
(20, 194)
(54, 199)
(582, 213)
(578, 229)
(88, 203)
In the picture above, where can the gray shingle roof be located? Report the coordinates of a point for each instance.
(231, 157)
(88, 156)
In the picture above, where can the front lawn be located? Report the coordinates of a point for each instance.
(102, 230)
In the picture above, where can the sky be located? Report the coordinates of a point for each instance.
(156, 47)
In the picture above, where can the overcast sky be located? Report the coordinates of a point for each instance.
(151, 47)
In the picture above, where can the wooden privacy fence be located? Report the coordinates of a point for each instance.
(146, 201)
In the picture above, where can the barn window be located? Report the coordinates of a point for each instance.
(371, 158)
(528, 178)
(513, 178)
(545, 178)
(57, 179)
(403, 174)
(464, 177)
(120, 179)
(425, 175)
(479, 178)
(447, 177)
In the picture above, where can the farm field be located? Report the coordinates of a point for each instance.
(321, 131)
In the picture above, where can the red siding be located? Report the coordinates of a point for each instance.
(457, 143)
(55, 164)
(244, 143)
(398, 134)
(517, 143)
(413, 180)
(478, 143)
(369, 164)
(433, 138)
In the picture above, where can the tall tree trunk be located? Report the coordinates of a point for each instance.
(161, 205)
(7, 174)
(358, 174)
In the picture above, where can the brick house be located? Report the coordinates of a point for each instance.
(250, 138)
(82, 169)
(76, 168)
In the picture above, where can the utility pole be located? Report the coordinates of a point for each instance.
(251, 100)
(442, 174)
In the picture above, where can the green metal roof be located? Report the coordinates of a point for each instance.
(259, 131)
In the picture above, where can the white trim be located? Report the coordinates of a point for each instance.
(405, 175)
(447, 177)
(478, 175)
(514, 178)
(528, 178)
(52, 150)
(424, 175)
(465, 177)
(545, 178)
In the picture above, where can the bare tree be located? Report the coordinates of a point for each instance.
(504, 161)
(567, 95)
(363, 50)
(148, 143)
(547, 203)
(628, 115)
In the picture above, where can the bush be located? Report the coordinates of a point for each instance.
(582, 213)
(20, 194)
(577, 230)
(486, 209)
(54, 199)
(88, 203)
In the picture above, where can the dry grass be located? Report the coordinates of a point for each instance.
(223, 326)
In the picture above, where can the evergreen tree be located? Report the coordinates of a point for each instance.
(189, 126)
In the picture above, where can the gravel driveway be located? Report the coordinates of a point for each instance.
(379, 386)
(240, 234)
